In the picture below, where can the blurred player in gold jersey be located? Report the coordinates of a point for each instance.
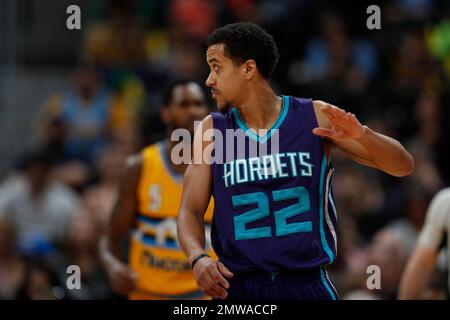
(148, 202)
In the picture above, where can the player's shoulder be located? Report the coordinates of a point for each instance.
(214, 116)
(205, 124)
(208, 120)
(318, 104)
(213, 120)
(322, 120)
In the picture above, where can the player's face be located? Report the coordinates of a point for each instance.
(225, 79)
(188, 105)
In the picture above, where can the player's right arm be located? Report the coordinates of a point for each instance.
(122, 278)
(197, 187)
(422, 263)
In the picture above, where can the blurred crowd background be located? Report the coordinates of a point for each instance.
(74, 104)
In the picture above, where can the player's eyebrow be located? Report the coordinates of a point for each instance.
(213, 60)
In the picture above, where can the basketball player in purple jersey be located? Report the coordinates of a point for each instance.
(274, 225)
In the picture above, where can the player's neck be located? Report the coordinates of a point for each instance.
(261, 107)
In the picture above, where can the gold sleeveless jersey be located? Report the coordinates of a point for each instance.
(154, 253)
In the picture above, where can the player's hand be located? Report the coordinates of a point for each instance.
(210, 276)
(343, 125)
(123, 279)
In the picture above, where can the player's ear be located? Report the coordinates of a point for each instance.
(250, 69)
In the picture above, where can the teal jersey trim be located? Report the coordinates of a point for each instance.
(325, 282)
(321, 203)
(242, 125)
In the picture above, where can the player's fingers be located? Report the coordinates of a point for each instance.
(219, 292)
(224, 270)
(215, 289)
(214, 285)
(124, 280)
(333, 117)
(209, 293)
(342, 120)
(328, 113)
(132, 274)
(128, 281)
(333, 111)
(127, 275)
(122, 286)
(352, 117)
(322, 132)
(219, 279)
(125, 271)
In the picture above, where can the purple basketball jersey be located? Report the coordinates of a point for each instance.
(273, 211)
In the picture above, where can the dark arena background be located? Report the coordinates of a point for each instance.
(393, 73)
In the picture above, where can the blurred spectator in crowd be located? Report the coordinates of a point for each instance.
(52, 142)
(335, 53)
(52, 136)
(11, 264)
(336, 65)
(85, 111)
(388, 251)
(415, 202)
(428, 118)
(186, 60)
(81, 251)
(99, 198)
(119, 40)
(415, 9)
(438, 42)
(134, 62)
(39, 208)
(40, 282)
(117, 47)
(411, 62)
(194, 19)
(427, 141)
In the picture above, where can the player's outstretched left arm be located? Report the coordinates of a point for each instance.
(361, 143)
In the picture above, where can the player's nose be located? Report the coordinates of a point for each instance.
(210, 81)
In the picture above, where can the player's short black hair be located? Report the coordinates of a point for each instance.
(167, 94)
(244, 41)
